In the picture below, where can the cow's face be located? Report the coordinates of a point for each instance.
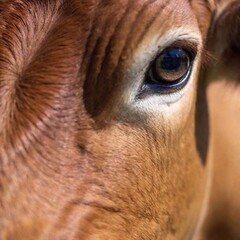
(103, 121)
(144, 150)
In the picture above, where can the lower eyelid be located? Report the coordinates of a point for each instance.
(152, 89)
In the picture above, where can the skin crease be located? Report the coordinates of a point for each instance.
(80, 157)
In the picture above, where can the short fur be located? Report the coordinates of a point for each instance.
(72, 166)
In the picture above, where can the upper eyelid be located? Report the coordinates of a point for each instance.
(192, 46)
(206, 56)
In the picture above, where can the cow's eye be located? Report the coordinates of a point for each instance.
(170, 71)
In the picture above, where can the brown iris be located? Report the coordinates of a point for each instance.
(171, 66)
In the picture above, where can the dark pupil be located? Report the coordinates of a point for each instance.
(172, 60)
(172, 65)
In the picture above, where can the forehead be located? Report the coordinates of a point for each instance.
(134, 22)
(175, 12)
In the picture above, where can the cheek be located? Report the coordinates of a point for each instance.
(151, 172)
(167, 115)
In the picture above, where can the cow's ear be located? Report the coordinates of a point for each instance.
(224, 36)
(223, 78)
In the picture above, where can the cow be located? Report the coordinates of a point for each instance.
(109, 119)
(223, 210)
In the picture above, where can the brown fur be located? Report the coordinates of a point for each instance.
(75, 161)
(222, 220)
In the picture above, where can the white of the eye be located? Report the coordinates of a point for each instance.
(140, 63)
(173, 108)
